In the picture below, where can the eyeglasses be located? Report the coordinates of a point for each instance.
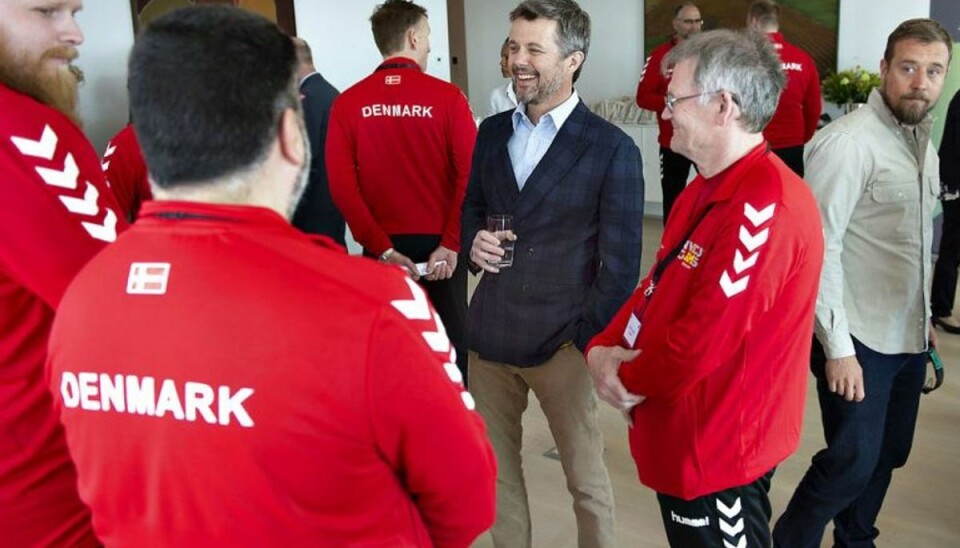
(670, 101)
(692, 21)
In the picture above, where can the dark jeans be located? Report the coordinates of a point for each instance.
(944, 288)
(866, 441)
(449, 297)
(722, 519)
(793, 157)
(674, 172)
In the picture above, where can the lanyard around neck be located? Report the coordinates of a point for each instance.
(666, 261)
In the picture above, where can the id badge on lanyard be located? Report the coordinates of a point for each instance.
(635, 323)
(632, 330)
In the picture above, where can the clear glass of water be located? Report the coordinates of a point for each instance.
(502, 227)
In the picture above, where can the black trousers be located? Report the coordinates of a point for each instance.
(449, 297)
(793, 157)
(674, 172)
(944, 288)
(735, 517)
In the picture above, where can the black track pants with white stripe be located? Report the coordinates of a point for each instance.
(738, 517)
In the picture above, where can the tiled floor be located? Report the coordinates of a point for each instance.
(922, 508)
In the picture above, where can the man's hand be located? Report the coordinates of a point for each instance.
(845, 378)
(444, 271)
(933, 337)
(400, 259)
(486, 249)
(604, 362)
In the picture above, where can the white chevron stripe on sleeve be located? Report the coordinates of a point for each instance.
(757, 218)
(740, 264)
(417, 308)
(44, 148)
(105, 231)
(730, 287)
(753, 241)
(437, 340)
(84, 206)
(65, 178)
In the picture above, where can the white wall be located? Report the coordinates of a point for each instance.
(613, 62)
(865, 25)
(338, 32)
(343, 48)
(340, 35)
(108, 29)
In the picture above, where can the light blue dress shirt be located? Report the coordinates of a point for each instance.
(530, 142)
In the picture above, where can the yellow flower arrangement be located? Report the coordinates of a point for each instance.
(850, 86)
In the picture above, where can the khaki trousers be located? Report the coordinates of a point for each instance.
(566, 394)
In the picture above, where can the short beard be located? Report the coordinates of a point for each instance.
(57, 90)
(903, 113)
(545, 90)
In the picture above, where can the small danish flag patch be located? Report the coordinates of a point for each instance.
(392, 80)
(148, 278)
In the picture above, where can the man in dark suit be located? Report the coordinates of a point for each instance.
(574, 186)
(316, 214)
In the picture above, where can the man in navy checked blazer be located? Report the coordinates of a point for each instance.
(574, 186)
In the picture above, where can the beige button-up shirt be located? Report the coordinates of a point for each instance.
(876, 182)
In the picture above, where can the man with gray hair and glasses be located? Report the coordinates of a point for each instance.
(708, 358)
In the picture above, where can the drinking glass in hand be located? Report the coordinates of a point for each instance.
(502, 227)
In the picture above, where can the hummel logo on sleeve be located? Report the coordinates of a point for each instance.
(748, 250)
(434, 334)
(105, 164)
(68, 179)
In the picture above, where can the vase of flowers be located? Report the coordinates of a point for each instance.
(850, 88)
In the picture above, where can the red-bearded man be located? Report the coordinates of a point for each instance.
(59, 213)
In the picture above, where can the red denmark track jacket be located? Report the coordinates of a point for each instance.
(798, 111)
(725, 337)
(58, 212)
(239, 385)
(126, 172)
(653, 87)
(399, 148)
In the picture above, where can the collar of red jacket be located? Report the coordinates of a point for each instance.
(177, 210)
(163, 212)
(399, 62)
(727, 182)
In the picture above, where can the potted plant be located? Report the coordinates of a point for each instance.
(850, 88)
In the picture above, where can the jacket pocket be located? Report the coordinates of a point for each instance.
(888, 192)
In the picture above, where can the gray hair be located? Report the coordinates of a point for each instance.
(741, 62)
(573, 24)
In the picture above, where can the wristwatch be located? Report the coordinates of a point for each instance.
(386, 255)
